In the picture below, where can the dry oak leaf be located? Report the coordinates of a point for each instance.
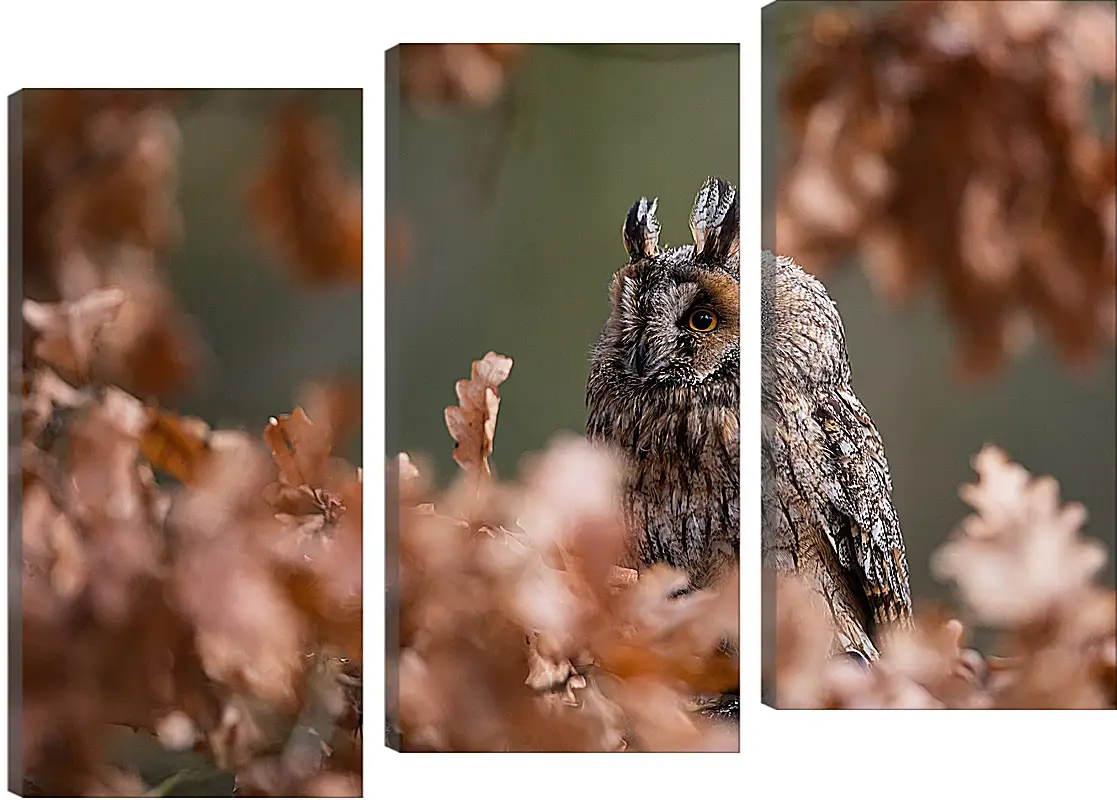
(472, 422)
(304, 206)
(299, 447)
(474, 75)
(68, 330)
(301, 450)
(46, 395)
(931, 655)
(152, 347)
(1021, 553)
(910, 145)
(176, 445)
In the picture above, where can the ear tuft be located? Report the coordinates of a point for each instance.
(641, 230)
(715, 221)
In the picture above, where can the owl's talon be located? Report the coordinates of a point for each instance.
(855, 657)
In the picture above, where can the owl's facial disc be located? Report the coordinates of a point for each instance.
(675, 324)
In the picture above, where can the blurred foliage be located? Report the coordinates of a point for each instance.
(517, 629)
(1006, 199)
(519, 632)
(198, 585)
(1022, 567)
(945, 168)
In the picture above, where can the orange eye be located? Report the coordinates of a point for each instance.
(702, 320)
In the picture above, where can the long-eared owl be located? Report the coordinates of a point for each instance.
(826, 497)
(664, 388)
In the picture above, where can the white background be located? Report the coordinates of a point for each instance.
(326, 44)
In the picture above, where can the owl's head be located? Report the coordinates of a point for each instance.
(802, 339)
(675, 313)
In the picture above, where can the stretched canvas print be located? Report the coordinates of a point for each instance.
(563, 397)
(184, 441)
(937, 384)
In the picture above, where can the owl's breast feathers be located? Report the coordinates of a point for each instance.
(682, 497)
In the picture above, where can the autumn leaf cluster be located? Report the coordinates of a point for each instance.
(516, 629)
(957, 143)
(202, 585)
(1022, 568)
(435, 76)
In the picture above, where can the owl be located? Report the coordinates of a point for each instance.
(664, 388)
(826, 496)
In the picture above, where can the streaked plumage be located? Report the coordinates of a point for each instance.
(827, 493)
(666, 395)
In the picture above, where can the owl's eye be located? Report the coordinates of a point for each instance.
(702, 320)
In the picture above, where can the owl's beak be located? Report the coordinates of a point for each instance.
(639, 360)
(641, 363)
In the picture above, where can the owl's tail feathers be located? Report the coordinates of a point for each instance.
(888, 592)
(850, 635)
(887, 611)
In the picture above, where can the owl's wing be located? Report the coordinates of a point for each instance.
(859, 487)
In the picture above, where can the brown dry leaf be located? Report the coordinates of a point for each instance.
(931, 655)
(307, 495)
(152, 348)
(336, 406)
(303, 205)
(48, 397)
(300, 448)
(408, 472)
(620, 578)
(1063, 658)
(661, 721)
(249, 635)
(436, 75)
(954, 142)
(326, 584)
(129, 197)
(472, 423)
(176, 445)
(68, 332)
(570, 501)
(333, 784)
(52, 545)
(801, 639)
(107, 499)
(317, 503)
(917, 670)
(99, 170)
(1021, 553)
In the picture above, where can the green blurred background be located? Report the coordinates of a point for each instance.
(514, 215)
(265, 336)
(1044, 417)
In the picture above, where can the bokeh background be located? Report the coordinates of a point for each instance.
(1046, 417)
(257, 335)
(264, 335)
(511, 212)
